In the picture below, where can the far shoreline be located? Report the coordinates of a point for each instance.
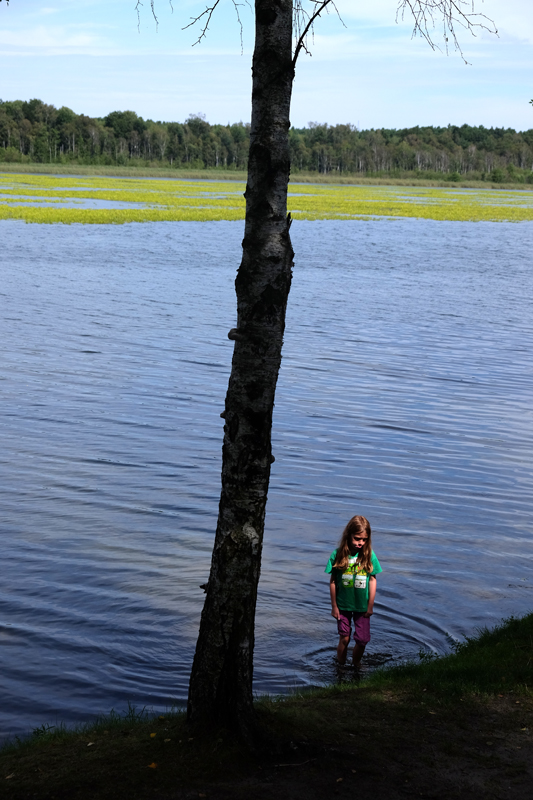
(240, 176)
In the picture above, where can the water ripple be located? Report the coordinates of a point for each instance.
(404, 394)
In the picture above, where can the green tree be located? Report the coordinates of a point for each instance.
(124, 122)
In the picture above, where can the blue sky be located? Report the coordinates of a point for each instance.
(91, 56)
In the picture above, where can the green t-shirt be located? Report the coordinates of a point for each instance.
(352, 583)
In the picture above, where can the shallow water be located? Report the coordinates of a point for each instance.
(404, 394)
(52, 202)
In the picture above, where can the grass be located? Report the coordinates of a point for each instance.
(494, 661)
(240, 175)
(123, 172)
(39, 199)
(446, 727)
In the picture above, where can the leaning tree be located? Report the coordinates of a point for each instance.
(220, 689)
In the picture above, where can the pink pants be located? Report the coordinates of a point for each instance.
(361, 624)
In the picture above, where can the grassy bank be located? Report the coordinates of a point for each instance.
(240, 176)
(447, 727)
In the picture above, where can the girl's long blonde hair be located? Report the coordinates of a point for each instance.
(357, 524)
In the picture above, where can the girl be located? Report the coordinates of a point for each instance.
(353, 568)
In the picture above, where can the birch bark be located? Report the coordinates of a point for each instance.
(220, 688)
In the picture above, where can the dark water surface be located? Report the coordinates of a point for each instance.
(405, 394)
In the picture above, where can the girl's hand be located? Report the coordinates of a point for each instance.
(369, 612)
(335, 612)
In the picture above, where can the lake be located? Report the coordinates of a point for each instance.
(404, 394)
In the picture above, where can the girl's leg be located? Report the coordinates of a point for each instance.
(358, 650)
(342, 649)
(361, 637)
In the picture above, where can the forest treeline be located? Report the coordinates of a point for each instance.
(34, 131)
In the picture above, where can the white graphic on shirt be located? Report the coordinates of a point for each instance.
(354, 577)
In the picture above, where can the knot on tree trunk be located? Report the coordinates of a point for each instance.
(236, 335)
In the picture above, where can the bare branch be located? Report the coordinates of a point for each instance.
(453, 13)
(426, 14)
(304, 22)
(138, 6)
(206, 17)
(209, 11)
(236, 7)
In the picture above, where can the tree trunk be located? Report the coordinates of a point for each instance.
(220, 690)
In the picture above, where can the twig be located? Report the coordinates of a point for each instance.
(138, 6)
(300, 15)
(452, 13)
(209, 11)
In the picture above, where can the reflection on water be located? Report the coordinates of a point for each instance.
(404, 394)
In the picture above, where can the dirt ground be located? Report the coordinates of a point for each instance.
(364, 745)
(421, 753)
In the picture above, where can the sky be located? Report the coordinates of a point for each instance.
(98, 56)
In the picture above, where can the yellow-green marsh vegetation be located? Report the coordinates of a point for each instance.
(89, 200)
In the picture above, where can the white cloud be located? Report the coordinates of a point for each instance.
(48, 38)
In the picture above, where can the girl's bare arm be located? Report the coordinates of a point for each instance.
(372, 585)
(333, 594)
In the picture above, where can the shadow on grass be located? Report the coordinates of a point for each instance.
(447, 727)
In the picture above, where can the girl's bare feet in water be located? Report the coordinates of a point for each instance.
(347, 666)
(357, 655)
